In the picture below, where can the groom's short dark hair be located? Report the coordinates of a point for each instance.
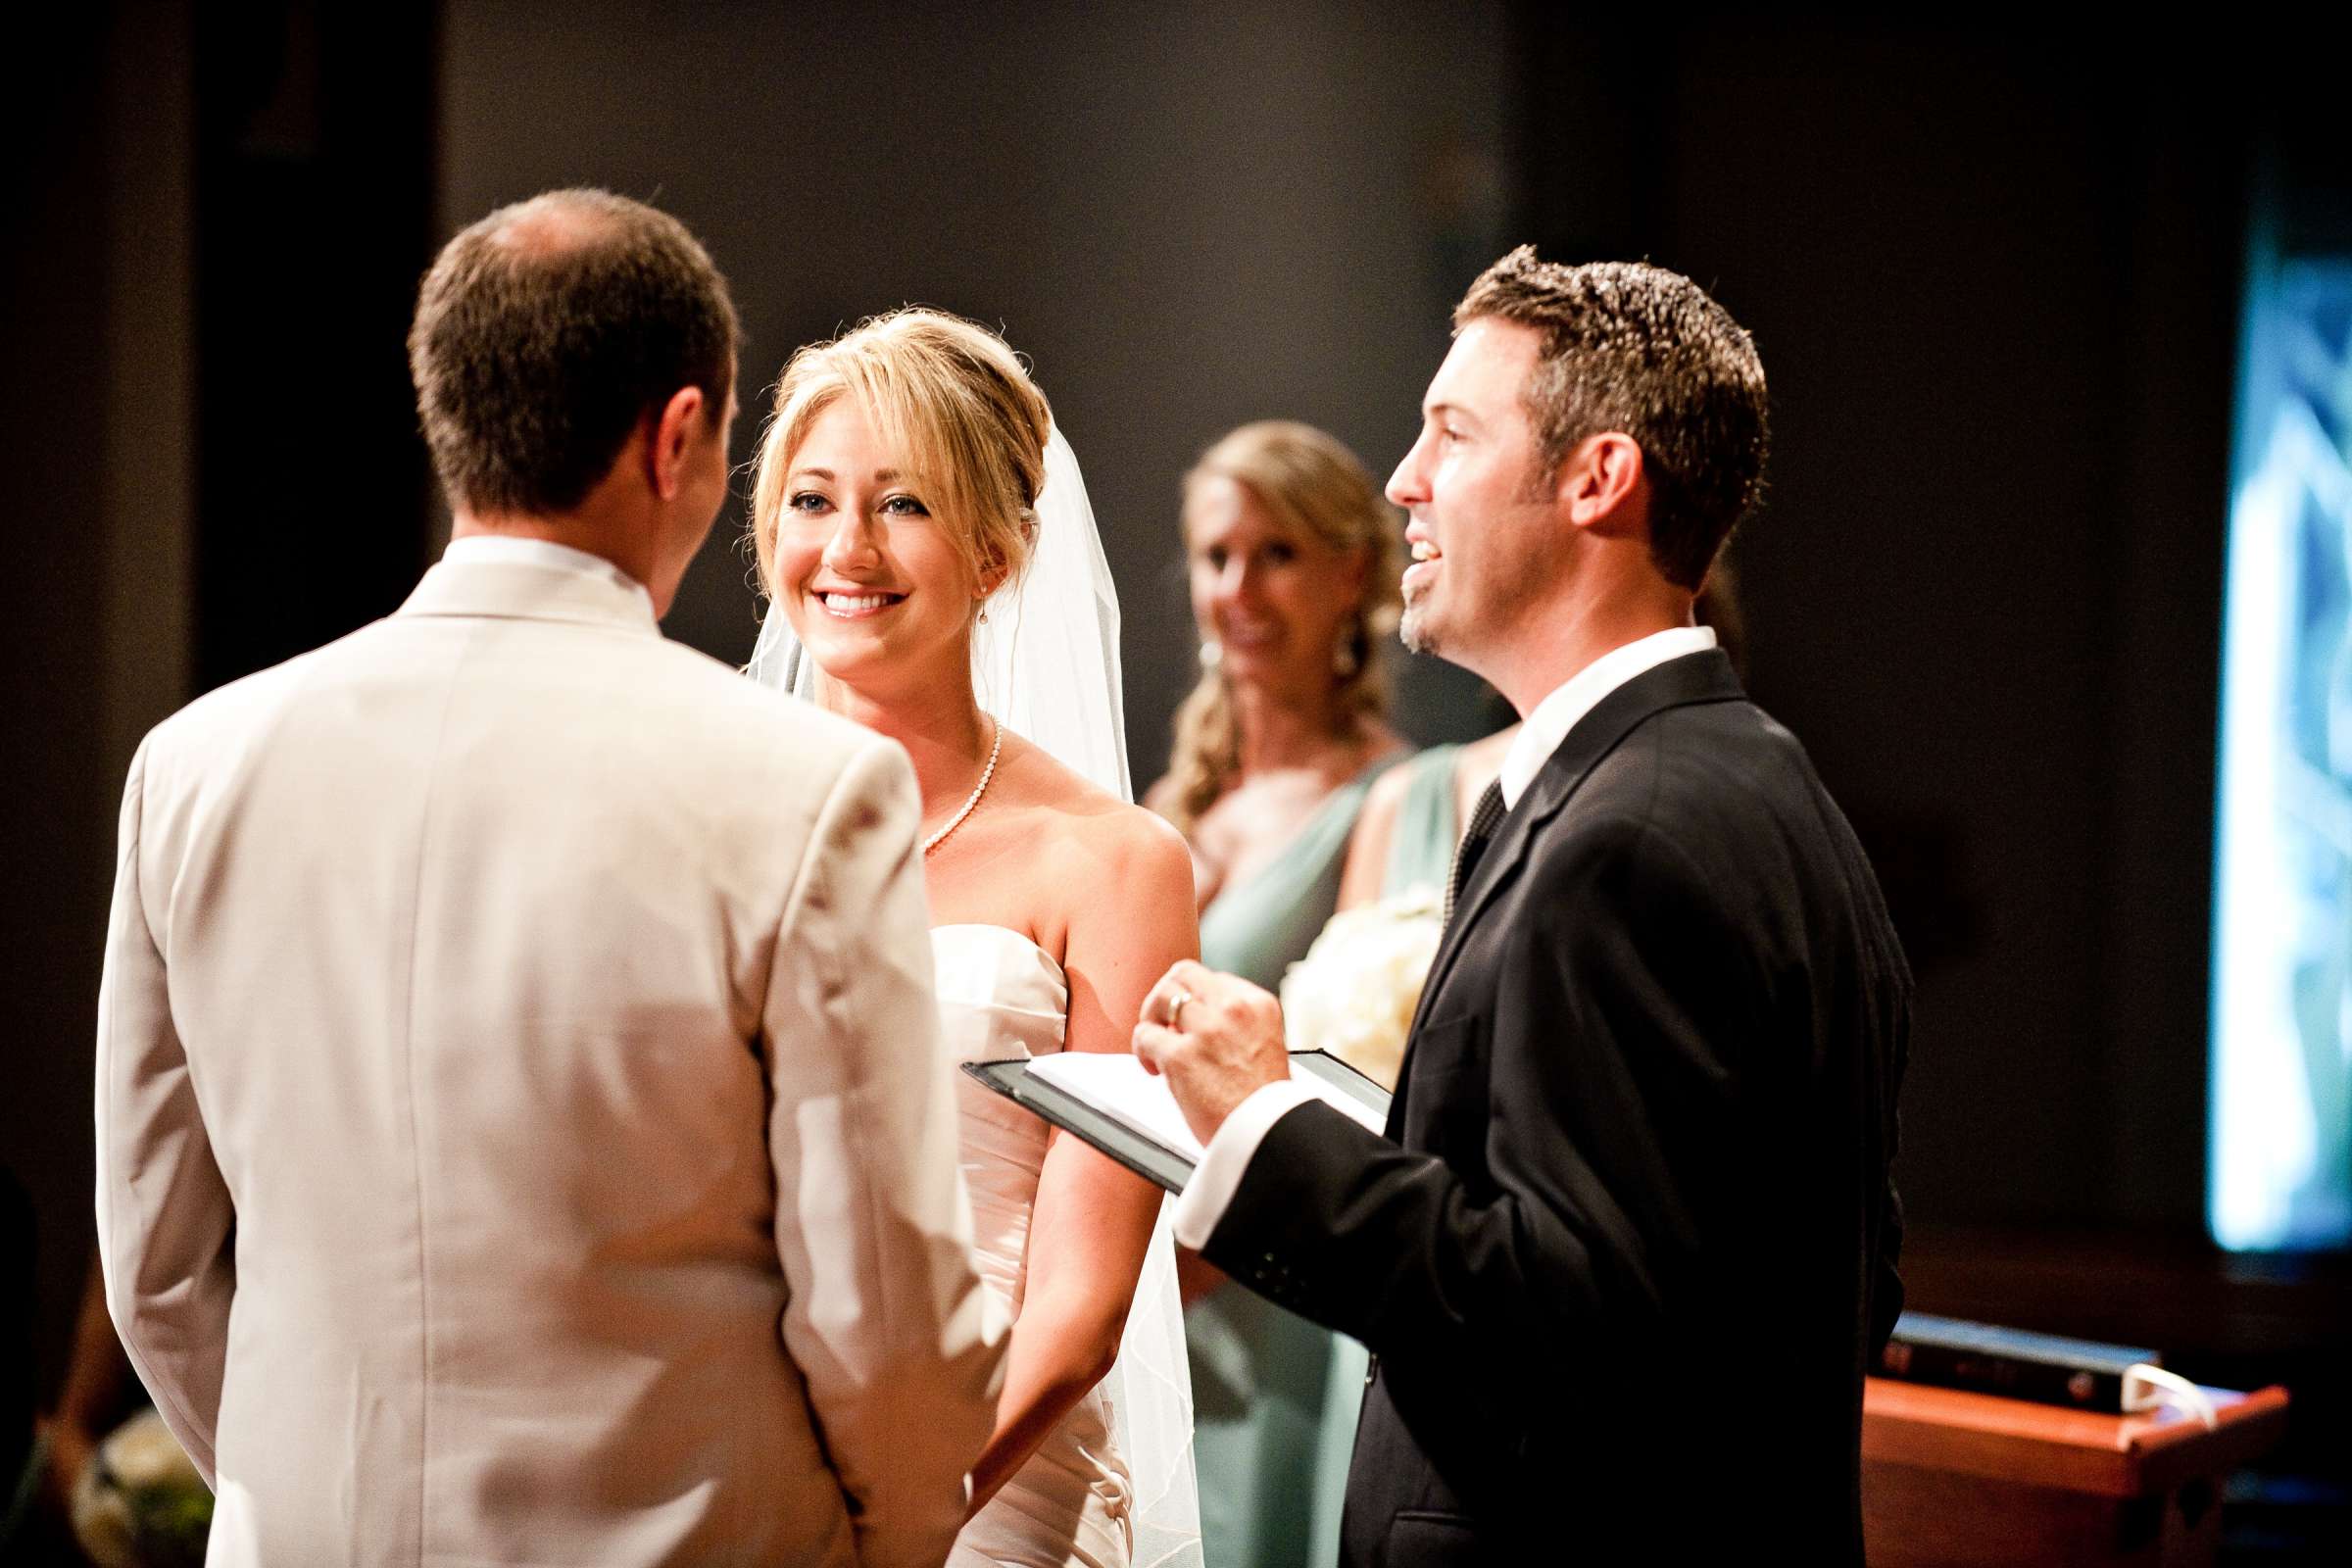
(545, 331)
(1637, 349)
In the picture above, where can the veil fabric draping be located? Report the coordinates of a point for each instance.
(1045, 664)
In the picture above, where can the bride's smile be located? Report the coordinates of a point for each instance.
(881, 582)
(845, 604)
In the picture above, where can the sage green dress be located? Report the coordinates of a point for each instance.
(1421, 851)
(1265, 1412)
(1420, 855)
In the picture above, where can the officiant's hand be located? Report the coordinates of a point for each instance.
(1217, 1039)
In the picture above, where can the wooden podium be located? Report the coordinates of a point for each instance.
(1951, 1477)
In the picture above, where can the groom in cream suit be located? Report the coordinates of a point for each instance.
(522, 1130)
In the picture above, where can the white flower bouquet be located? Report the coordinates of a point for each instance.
(139, 1503)
(1352, 996)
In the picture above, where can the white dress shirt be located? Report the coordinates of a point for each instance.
(1219, 1173)
(516, 549)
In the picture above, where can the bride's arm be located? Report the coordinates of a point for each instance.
(1131, 917)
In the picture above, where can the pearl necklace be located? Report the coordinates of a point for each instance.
(995, 745)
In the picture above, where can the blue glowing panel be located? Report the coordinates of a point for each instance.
(2282, 1104)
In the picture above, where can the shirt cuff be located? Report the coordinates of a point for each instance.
(1219, 1176)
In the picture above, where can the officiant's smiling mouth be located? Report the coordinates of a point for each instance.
(1424, 567)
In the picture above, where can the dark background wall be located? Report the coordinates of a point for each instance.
(212, 461)
(1995, 292)
(1995, 287)
(52, 663)
(1186, 215)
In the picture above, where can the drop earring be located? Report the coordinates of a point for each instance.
(1344, 659)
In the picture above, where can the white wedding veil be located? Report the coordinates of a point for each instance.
(1045, 664)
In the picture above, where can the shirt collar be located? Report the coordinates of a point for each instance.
(511, 550)
(1550, 720)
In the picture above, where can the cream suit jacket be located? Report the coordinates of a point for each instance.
(522, 1131)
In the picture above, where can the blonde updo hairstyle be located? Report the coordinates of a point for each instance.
(953, 401)
(1315, 487)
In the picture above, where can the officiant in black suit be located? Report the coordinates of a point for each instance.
(1629, 1241)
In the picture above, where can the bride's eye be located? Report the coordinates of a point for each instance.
(904, 505)
(807, 500)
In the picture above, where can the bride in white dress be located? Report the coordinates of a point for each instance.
(924, 536)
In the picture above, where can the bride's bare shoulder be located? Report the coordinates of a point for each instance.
(1087, 822)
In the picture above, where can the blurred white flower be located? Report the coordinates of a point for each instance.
(1353, 995)
(139, 1503)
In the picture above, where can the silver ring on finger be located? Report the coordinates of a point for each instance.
(1176, 1010)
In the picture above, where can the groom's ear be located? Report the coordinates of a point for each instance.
(675, 424)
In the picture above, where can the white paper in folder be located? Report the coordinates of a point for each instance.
(1116, 1084)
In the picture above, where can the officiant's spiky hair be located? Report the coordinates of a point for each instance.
(1637, 349)
(545, 331)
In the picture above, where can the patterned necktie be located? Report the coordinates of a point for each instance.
(1483, 821)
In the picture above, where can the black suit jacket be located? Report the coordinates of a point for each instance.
(1630, 1241)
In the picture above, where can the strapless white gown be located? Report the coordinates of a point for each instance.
(1000, 996)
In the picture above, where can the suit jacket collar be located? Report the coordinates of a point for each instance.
(1692, 678)
(528, 590)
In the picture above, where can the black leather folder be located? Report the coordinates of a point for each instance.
(1139, 1151)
